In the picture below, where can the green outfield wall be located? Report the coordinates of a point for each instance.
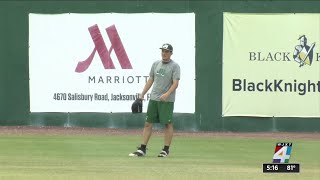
(14, 72)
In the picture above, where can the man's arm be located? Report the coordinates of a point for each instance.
(173, 87)
(146, 87)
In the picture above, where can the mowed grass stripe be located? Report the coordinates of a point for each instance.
(106, 157)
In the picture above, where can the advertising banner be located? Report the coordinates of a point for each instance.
(271, 65)
(100, 62)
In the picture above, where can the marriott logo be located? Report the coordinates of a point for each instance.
(103, 51)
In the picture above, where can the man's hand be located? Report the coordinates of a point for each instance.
(141, 96)
(164, 97)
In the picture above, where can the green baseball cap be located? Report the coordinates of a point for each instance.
(167, 46)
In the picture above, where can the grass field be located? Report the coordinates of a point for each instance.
(46, 157)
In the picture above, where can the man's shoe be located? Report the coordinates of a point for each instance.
(163, 154)
(138, 153)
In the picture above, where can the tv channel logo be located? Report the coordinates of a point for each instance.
(281, 157)
(282, 152)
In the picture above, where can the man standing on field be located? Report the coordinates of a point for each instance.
(164, 76)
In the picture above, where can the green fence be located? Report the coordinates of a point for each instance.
(14, 77)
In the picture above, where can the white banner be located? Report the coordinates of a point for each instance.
(99, 62)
